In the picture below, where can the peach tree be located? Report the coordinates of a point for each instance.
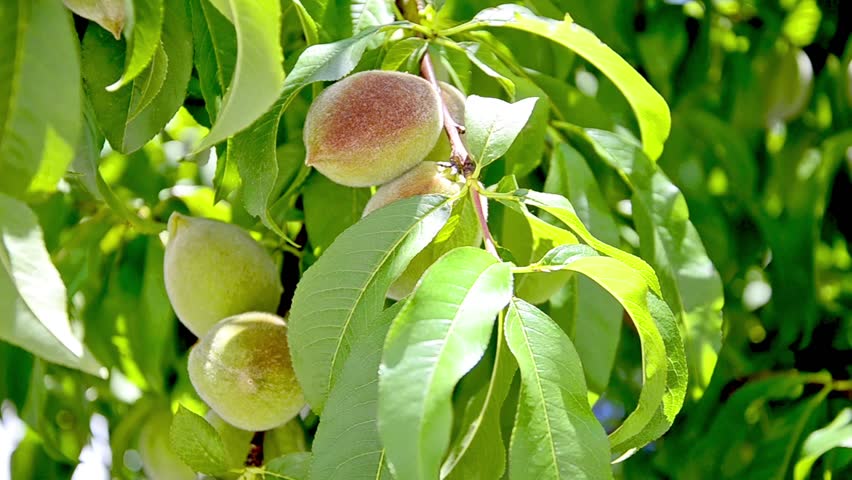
(312, 239)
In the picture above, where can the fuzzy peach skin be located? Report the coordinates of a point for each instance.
(214, 270)
(460, 231)
(242, 369)
(370, 127)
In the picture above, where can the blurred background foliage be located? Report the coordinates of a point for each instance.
(761, 101)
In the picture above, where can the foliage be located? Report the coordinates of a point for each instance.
(665, 281)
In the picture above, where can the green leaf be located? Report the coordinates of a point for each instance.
(676, 381)
(143, 32)
(667, 238)
(215, 42)
(149, 84)
(562, 209)
(440, 334)
(556, 435)
(370, 13)
(102, 60)
(340, 296)
(258, 74)
(629, 288)
(478, 450)
(255, 149)
(110, 14)
(33, 299)
(597, 316)
(492, 125)
(836, 434)
(347, 443)
(405, 52)
(38, 132)
(322, 196)
(197, 443)
(652, 113)
(293, 466)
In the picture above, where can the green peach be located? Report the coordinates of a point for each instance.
(214, 270)
(370, 127)
(242, 369)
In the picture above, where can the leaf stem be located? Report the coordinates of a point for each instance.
(477, 200)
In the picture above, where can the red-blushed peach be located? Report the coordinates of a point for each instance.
(370, 127)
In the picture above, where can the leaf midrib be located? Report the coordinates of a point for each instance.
(390, 252)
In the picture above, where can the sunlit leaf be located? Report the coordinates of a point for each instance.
(437, 337)
(340, 297)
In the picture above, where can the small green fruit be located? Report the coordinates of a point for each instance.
(371, 127)
(215, 270)
(790, 86)
(158, 459)
(241, 368)
(461, 230)
(454, 100)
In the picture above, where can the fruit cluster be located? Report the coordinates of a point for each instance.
(385, 128)
(372, 128)
(222, 285)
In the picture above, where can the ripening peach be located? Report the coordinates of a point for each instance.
(370, 127)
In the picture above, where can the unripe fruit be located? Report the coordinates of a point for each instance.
(241, 368)
(454, 100)
(214, 270)
(158, 459)
(371, 127)
(790, 86)
(460, 231)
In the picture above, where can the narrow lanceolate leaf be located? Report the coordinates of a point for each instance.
(347, 444)
(837, 434)
(667, 238)
(340, 297)
(370, 13)
(556, 435)
(38, 132)
(492, 125)
(403, 53)
(110, 14)
(143, 39)
(33, 299)
(258, 74)
(562, 209)
(598, 318)
(631, 291)
(131, 116)
(652, 112)
(676, 382)
(197, 443)
(215, 42)
(440, 334)
(254, 150)
(478, 451)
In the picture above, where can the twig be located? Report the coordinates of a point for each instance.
(255, 455)
(458, 152)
